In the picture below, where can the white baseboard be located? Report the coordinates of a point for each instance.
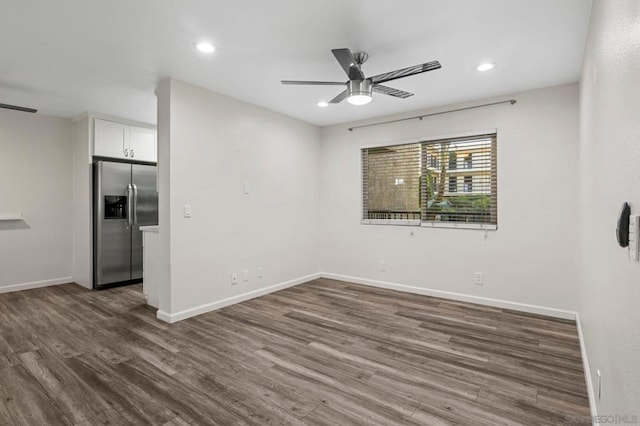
(587, 370)
(35, 284)
(497, 303)
(212, 306)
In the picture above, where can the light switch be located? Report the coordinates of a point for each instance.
(187, 210)
(245, 187)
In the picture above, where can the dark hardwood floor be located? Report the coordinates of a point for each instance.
(322, 353)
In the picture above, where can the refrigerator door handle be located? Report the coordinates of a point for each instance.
(129, 205)
(135, 204)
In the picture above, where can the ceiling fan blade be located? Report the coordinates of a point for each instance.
(314, 83)
(385, 90)
(341, 97)
(405, 72)
(18, 108)
(348, 63)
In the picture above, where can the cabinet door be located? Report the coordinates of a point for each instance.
(111, 139)
(143, 144)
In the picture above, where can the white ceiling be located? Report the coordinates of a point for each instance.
(66, 57)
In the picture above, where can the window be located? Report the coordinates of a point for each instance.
(468, 184)
(421, 183)
(453, 160)
(392, 187)
(468, 161)
(453, 184)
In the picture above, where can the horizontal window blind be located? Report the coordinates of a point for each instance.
(450, 180)
(391, 185)
(462, 185)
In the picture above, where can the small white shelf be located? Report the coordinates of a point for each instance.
(17, 216)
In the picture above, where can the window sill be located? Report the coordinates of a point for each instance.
(460, 225)
(448, 225)
(396, 222)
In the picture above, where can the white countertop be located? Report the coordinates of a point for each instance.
(151, 228)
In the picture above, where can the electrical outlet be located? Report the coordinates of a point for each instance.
(234, 279)
(260, 272)
(245, 275)
(478, 278)
(383, 266)
(599, 384)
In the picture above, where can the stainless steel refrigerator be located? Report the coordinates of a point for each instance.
(125, 198)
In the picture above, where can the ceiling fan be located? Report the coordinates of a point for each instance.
(359, 88)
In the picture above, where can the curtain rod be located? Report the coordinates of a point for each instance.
(420, 117)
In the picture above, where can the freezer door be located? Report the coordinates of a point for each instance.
(145, 210)
(113, 230)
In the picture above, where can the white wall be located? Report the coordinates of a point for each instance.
(82, 202)
(610, 175)
(216, 144)
(530, 258)
(35, 180)
(163, 94)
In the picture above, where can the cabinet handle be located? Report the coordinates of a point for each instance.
(132, 153)
(126, 152)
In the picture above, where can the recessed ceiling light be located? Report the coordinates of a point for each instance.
(485, 66)
(205, 47)
(323, 104)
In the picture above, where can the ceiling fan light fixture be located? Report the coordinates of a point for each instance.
(323, 104)
(359, 99)
(359, 92)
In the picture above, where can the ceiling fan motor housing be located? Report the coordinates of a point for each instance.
(360, 87)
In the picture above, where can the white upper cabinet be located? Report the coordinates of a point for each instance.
(111, 139)
(117, 140)
(142, 144)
